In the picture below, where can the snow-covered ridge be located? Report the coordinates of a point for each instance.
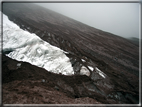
(30, 48)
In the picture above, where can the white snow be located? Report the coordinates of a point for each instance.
(91, 68)
(19, 64)
(30, 48)
(100, 72)
(6, 21)
(84, 71)
(66, 52)
(83, 60)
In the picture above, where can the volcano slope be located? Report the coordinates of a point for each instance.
(29, 84)
(87, 47)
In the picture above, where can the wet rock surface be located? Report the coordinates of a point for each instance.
(85, 46)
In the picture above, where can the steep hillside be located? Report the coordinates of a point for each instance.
(86, 46)
(28, 84)
(134, 40)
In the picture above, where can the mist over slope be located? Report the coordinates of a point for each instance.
(97, 51)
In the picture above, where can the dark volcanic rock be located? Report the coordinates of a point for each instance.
(115, 56)
(30, 84)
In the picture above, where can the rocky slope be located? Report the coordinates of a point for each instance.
(134, 40)
(86, 46)
(28, 84)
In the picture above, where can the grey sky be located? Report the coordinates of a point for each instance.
(118, 18)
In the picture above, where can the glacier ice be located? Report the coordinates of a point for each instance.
(30, 48)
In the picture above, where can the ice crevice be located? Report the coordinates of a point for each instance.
(30, 48)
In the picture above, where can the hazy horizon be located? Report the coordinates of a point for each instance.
(121, 19)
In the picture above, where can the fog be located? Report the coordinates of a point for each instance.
(118, 18)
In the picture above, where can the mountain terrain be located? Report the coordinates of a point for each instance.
(111, 62)
(29, 84)
(134, 40)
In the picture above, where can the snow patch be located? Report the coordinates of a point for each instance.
(84, 71)
(30, 48)
(100, 72)
(6, 21)
(66, 52)
(91, 68)
(83, 60)
(19, 64)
